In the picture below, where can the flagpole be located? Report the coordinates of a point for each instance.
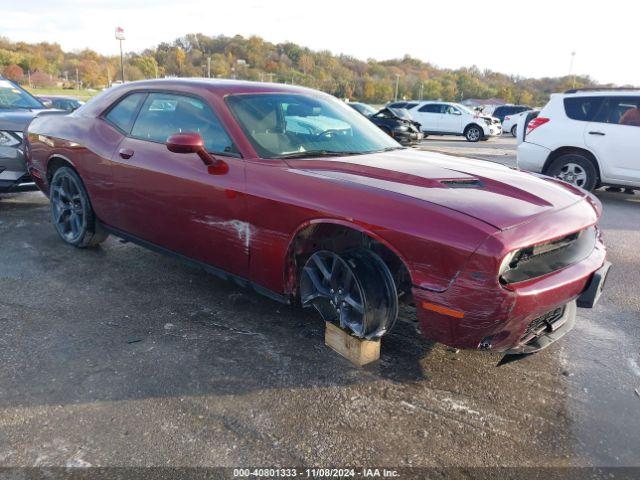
(121, 63)
(120, 37)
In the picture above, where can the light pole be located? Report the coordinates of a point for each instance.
(208, 67)
(120, 38)
(573, 56)
(397, 84)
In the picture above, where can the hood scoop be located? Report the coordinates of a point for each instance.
(462, 183)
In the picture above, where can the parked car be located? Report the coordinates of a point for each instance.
(363, 108)
(587, 137)
(444, 118)
(395, 122)
(17, 108)
(68, 104)
(503, 110)
(492, 258)
(510, 122)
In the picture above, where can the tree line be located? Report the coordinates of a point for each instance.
(198, 55)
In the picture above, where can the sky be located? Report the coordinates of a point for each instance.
(533, 38)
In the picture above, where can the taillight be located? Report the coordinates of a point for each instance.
(507, 118)
(535, 123)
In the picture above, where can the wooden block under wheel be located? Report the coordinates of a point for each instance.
(356, 350)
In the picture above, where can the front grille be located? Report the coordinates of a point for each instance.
(540, 259)
(542, 323)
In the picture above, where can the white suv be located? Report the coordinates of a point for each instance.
(586, 137)
(443, 118)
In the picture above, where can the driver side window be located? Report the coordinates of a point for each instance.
(164, 114)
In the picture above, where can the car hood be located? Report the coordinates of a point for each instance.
(497, 195)
(16, 120)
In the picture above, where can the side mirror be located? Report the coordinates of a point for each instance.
(185, 143)
(47, 103)
(192, 142)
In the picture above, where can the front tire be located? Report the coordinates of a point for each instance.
(473, 133)
(354, 289)
(575, 169)
(71, 211)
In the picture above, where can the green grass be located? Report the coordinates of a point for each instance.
(81, 94)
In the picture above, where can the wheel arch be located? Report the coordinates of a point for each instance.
(576, 150)
(472, 124)
(56, 161)
(316, 234)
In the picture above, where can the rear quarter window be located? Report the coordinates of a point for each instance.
(583, 109)
(123, 112)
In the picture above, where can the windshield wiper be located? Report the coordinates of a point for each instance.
(317, 153)
(389, 149)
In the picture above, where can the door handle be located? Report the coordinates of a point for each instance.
(126, 153)
(602, 134)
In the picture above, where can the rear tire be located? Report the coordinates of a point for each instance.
(575, 169)
(71, 211)
(473, 133)
(514, 130)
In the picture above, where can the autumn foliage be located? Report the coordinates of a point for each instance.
(197, 55)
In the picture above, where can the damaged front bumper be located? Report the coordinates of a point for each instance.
(13, 170)
(554, 325)
(546, 331)
(407, 137)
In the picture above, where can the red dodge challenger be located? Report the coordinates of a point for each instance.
(289, 191)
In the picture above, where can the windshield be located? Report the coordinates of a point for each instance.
(12, 96)
(464, 109)
(293, 125)
(364, 109)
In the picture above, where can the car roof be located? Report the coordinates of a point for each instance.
(58, 97)
(216, 86)
(590, 92)
(222, 86)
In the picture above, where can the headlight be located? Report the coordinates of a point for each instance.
(506, 262)
(487, 121)
(10, 139)
(402, 128)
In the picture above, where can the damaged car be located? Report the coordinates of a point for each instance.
(17, 108)
(343, 220)
(395, 122)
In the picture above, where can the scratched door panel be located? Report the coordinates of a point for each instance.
(171, 200)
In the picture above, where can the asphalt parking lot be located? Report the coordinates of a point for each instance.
(498, 149)
(122, 357)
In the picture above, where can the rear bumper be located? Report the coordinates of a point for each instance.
(532, 157)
